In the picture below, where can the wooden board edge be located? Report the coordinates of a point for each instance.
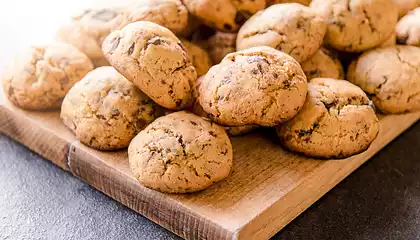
(29, 133)
(156, 206)
(266, 225)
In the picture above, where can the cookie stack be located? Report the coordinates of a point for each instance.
(313, 71)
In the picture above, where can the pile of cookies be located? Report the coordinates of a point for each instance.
(173, 80)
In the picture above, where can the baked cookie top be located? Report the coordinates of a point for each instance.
(40, 76)
(292, 28)
(106, 111)
(324, 64)
(408, 28)
(258, 85)
(358, 25)
(391, 76)
(180, 153)
(336, 121)
(154, 59)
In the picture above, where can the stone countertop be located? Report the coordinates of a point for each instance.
(380, 200)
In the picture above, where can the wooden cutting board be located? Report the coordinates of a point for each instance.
(267, 189)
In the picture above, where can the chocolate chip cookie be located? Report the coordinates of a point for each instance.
(40, 77)
(199, 57)
(408, 28)
(154, 59)
(256, 86)
(224, 15)
(336, 121)
(391, 76)
(180, 153)
(220, 44)
(291, 27)
(355, 26)
(105, 111)
(325, 64)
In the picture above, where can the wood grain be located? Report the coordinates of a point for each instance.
(267, 189)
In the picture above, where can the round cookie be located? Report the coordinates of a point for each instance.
(40, 77)
(291, 27)
(221, 44)
(87, 30)
(256, 86)
(404, 6)
(408, 28)
(391, 76)
(154, 59)
(105, 111)
(336, 121)
(224, 15)
(303, 2)
(325, 64)
(180, 153)
(199, 57)
(355, 26)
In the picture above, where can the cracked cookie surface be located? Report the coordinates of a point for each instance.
(256, 86)
(221, 44)
(154, 59)
(357, 25)
(180, 153)
(291, 28)
(87, 30)
(391, 76)
(325, 64)
(40, 77)
(105, 111)
(224, 15)
(336, 121)
(408, 28)
(199, 57)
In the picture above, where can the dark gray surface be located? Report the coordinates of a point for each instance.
(381, 200)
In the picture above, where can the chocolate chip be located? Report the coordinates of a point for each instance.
(131, 49)
(260, 68)
(115, 112)
(275, 75)
(178, 102)
(402, 39)
(163, 82)
(193, 123)
(212, 133)
(227, 27)
(254, 71)
(115, 42)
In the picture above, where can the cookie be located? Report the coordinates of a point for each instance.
(404, 6)
(199, 57)
(40, 77)
(224, 15)
(391, 77)
(355, 26)
(87, 30)
(336, 121)
(105, 111)
(291, 28)
(180, 153)
(390, 41)
(221, 44)
(408, 29)
(154, 59)
(303, 2)
(325, 64)
(256, 86)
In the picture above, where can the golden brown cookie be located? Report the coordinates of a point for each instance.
(199, 57)
(105, 111)
(220, 44)
(180, 153)
(355, 26)
(408, 29)
(404, 6)
(303, 2)
(291, 27)
(391, 76)
(256, 86)
(325, 64)
(154, 59)
(224, 15)
(88, 30)
(336, 121)
(40, 77)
